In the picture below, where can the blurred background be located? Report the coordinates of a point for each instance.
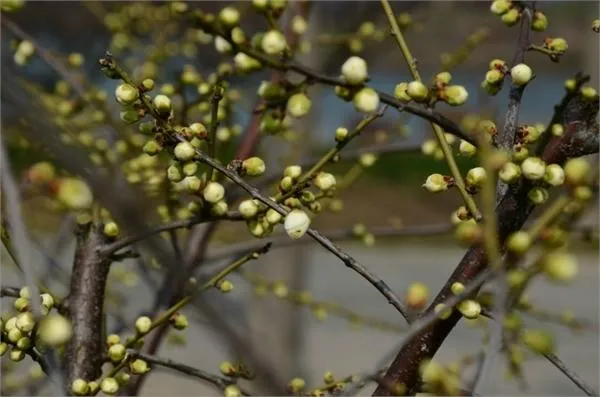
(458, 36)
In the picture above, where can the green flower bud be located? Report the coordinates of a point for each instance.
(220, 208)
(436, 183)
(455, 95)
(111, 229)
(16, 355)
(554, 175)
(521, 74)
(560, 266)
(116, 352)
(190, 168)
(298, 105)
(162, 103)
(179, 321)
(324, 181)
(341, 134)
(232, 391)
(519, 242)
(55, 330)
(354, 70)
(143, 325)
(539, 22)
(467, 149)
(476, 177)
(184, 151)
(293, 171)
(254, 166)
(213, 192)
(417, 91)
(248, 209)
(558, 45)
(126, 94)
(366, 100)
(400, 92)
(469, 309)
(229, 16)
(272, 216)
(500, 7)
(74, 194)
(296, 385)
(457, 288)
(538, 195)
(577, 171)
(442, 311)
(225, 286)
(511, 17)
(80, 387)
(539, 341)
(533, 168)
(109, 386)
(273, 42)
(138, 367)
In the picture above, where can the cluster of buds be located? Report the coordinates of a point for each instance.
(454, 95)
(21, 332)
(556, 45)
(509, 11)
(24, 51)
(494, 77)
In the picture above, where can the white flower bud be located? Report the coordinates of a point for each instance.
(435, 183)
(254, 166)
(55, 330)
(248, 208)
(509, 173)
(126, 94)
(184, 151)
(143, 324)
(554, 175)
(354, 70)
(476, 176)
(324, 181)
(417, 91)
(272, 216)
(455, 95)
(245, 63)
(162, 103)
(401, 93)
(213, 192)
(222, 46)
(467, 149)
(298, 105)
(533, 168)
(296, 224)
(109, 386)
(429, 146)
(293, 171)
(229, 16)
(366, 100)
(521, 74)
(273, 42)
(341, 134)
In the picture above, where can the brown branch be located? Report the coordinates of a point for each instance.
(85, 305)
(557, 362)
(218, 381)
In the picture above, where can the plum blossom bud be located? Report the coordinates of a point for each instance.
(184, 151)
(366, 100)
(296, 224)
(533, 168)
(126, 94)
(325, 181)
(273, 42)
(298, 105)
(213, 192)
(435, 183)
(521, 74)
(417, 91)
(354, 70)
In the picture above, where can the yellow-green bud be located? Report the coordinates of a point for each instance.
(468, 233)
(220, 208)
(80, 387)
(442, 311)
(116, 352)
(354, 70)
(511, 17)
(74, 194)
(232, 391)
(179, 321)
(126, 94)
(298, 105)
(296, 385)
(554, 175)
(254, 166)
(152, 147)
(25, 322)
(111, 229)
(325, 181)
(539, 341)
(469, 309)
(455, 95)
(476, 177)
(248, 209)
(560, 266)
(55, 330)
(367, 159)
(557, 130)
(213, 192)
(400, 92)
(16, 355)
(558, 45)
(273, 42)
(457, 288)
(494, 76)
(417, 296)
(272, 216)
(538, 195)
(229, 16)
(417, 91)
(138, 367)
(577, 171)
(521, 74)
(293, 171)
(109, 386)
(341, 134)
(436, 183)
(519, 242)
(366, 100)
(533, 168)
(225, 286)
(162, 103)
(499, 7)
(143, 325)
(539, 22)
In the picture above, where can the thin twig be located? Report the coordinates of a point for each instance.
(218, 381)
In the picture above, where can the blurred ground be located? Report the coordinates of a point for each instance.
(335, 346)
